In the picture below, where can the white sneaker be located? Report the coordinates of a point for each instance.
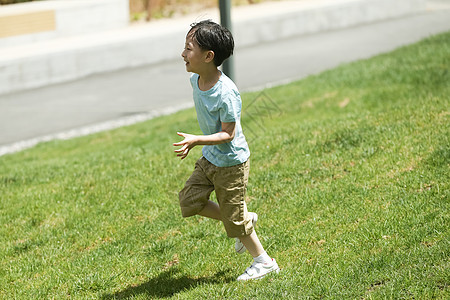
(259, 270)
(238, 246)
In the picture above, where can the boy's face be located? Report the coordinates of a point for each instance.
(193, 55)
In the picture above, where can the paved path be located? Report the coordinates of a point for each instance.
(109, 100)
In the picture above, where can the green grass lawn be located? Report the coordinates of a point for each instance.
(350, 178)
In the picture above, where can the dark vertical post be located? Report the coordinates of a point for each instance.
(225, 20)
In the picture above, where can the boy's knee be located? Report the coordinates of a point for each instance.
(238, 227)
(192, 201)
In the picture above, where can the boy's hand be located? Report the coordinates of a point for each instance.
(187, 144)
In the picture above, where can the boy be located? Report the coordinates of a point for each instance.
(224, 166)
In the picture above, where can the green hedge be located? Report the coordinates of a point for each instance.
(3, 2)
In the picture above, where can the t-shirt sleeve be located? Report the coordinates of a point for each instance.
(230, 109)
(193, 79)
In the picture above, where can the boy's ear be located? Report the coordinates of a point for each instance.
(209, 56)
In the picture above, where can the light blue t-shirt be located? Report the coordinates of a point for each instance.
(221, 103)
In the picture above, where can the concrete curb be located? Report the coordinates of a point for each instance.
(55, 61)
(305, 17)
(91, 129)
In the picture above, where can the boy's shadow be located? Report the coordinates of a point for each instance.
(168, 284)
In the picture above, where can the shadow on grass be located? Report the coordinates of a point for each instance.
(167, 284)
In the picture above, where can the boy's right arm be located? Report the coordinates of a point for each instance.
(226, 135)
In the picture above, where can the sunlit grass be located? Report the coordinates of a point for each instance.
(349, 175)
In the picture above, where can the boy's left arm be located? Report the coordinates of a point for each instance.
(190, 141)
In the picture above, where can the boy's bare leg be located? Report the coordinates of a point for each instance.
(211, 210)
(252, 243)
(262, 264)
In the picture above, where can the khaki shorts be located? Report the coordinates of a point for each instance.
(230, 184)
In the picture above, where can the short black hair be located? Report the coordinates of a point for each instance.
(212, 36)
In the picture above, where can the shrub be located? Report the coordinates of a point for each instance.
(4, 2)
